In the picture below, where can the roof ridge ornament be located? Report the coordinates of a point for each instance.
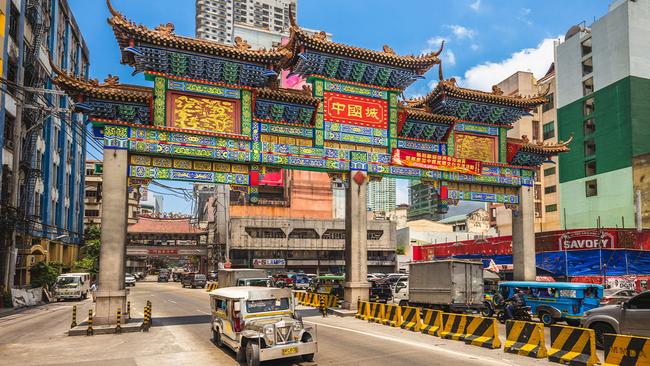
(112, 10)
(165, 28)
(496, 90)
(242, 44)
(389, 50)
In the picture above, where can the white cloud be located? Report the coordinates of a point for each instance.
(476, 5)
(523, 16)
(434, 42)
(536, 60)
(461, 32)
(432, 84)
(448, 57)
(474, 47)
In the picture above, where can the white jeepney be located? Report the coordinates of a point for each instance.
(260, 324)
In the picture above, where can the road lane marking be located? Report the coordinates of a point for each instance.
(202, 312)
(483, 359)
(172, 301)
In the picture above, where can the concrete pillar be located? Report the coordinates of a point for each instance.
(111, 294)
(356, 247)
(523, 236)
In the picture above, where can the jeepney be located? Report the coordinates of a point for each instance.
(260, 324)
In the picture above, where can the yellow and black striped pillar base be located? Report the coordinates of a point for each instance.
(90, 330)
(573, 345)
(525, 339)
(74, 317)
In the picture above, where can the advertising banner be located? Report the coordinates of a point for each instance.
(424, 160)
(269, 262)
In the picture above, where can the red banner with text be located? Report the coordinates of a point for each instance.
(355, 110)
(424, 160)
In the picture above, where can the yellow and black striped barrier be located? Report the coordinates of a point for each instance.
(363, 308)
(118, 321)
(525, 339)
(90, 330)
(431, 322)
(74, 317)
(211, 286)
(410, 319)
(146, 322)
(453, 326)
(622, 350)
(573, 345)
(392, 315)
(482, 332)
(376, 313)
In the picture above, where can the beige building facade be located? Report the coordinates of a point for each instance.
(540, 126)
(93, 196)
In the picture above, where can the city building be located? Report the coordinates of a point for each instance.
(475, 222)
(93, 197)
(262, 23)
(150, 204)
(423, 202)
(292, 227)
(539, 127)
(603, 83)
(381, 195)
(203, 195)
(43, 142)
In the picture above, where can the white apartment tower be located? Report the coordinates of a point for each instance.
(262, 23)
(381, 195)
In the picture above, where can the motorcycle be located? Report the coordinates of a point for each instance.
(518, 313)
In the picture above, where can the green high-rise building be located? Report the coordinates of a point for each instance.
(603, 96)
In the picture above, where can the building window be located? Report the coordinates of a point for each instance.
(334, 234)
(590, 168)
(265, 233)
(303, 234)
(589, 106)
(550, 189)
(549, 103)
(535, 130)
(588, 86)
(587, 66)
(12, 76)
(14, 16)
(548, 130)
(589, 126)
(551, 208)
(590, 147)
(375, 234)
(586, 47)
(591, 188)
(549, 171)
(538, 192)
(92, 213)
(90, 194)
(538, 209)
(9, 131)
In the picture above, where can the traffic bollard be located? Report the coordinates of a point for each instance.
(74, 317)
(90, 330)
(128, 308)
(118, 325)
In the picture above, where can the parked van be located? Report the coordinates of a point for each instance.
(72, 286)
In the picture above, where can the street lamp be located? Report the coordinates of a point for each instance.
(61, 237)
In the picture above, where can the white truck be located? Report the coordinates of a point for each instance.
(449, 285)
(242, 277)
(72, 286)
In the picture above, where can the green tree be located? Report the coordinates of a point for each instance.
(400, 250)
(90, 261)
(92, 232)
(45, 274)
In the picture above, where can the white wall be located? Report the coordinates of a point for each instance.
(568, 68)
(639, 26)
(611, 47)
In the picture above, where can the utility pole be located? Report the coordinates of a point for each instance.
(639, 214)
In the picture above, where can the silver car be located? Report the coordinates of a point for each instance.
(631, 317)
(616, 296)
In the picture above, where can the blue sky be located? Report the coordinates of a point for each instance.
(486, 40)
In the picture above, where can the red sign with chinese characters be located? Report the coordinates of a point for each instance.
(424, 160)
(355, 110)
(162, 251)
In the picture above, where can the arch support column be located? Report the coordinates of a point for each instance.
(523, 236)
(111, 294)
(356, 234)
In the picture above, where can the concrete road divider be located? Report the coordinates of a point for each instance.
(482, 332)
(573, 345)
(525, 338)
(392, 315)
(411, 319)
(453, 326)
(376, 313)
(363, 308)
(626, 350)
(211, 286)
(431, 322)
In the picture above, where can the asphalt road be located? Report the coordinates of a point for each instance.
(181, 336)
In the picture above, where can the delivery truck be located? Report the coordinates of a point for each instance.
(242, 277)
(449, 285)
